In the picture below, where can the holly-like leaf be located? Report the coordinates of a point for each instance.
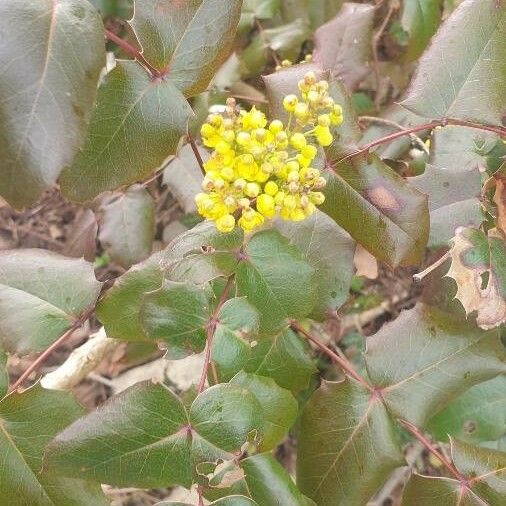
(202, 254)
(343, 45)
(276, 280)
(449, 79)
(425, 358)
(177, 314)
(420, 19)
(189, 39)
(477, 415)
(282, 357)
(28, 421)
(257, 9)
(342, 426)
(4, 377)
(41, 295)
(475, 255)
(119, 308)
(453, 200)
(47, 94)
(378, 209)
(330, 250)
(320, 11)
(120, 444)
(279, 406)
(135, 126)
(128, 226)
(269, 484)
(184, 177)
(484, 469)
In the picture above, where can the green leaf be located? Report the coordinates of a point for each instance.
(28, 421)
(453, 200)
(320, 11)
(420, 18)
(283, 357)
(120, 445)
(484, 469)
(51, 56)
(232, 500)
(279, 407)
(4, 376)
(135, 126)
(425, 358)
(257, 9)
(276, 280)
(202, 254)
(127, 230)
(347, 445)
(477, 415)
(269, 484)
(189, 39)
(378, 209)
(329, 250)
(184, 177)
(479, 260)
(343, 45)
(118, 310)
(468, 46)
(41, 295)
(177, 314)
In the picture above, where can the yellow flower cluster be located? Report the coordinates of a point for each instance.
(258, 170)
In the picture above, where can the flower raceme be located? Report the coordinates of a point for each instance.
(258, 169)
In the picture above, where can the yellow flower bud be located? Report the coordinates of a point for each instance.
(292, 165)
(309, 151)
(313, 97)
(276, 126)
(279, 198)
(297, 214)
(298, 141)
(303, 161)
(252, 190)
(216, 120)
(310, 78)
(289, 202)
(335, 119)
(225, 223)
(265, 204)
(206, 130)
(270, 188)
(289, 103)
(227, 173)
(239, 184)
(324, 120)
(222, 147)
(243, 203)
(242, 138)
(317, 198)
(337, 110)
(323, 136)
(286, 63)
(281, 137)
(292, 177)
(267, 168)
(301, 111)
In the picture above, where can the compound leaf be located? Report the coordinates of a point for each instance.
(120, 445)
(41, 295)
(51, 56)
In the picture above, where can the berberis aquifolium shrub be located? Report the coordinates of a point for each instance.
(388, 140)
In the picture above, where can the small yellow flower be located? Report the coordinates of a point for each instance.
(225, 223)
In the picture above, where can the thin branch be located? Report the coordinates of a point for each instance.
(344, 364)
(196, 152)
(419, 276)
(210, 329)
(432, 449)
(382, 121)
(136, 54)
(78, 323)
(426, 126)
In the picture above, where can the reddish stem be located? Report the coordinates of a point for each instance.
(196, 152)
(135, 53)
(426, 126)
(210, 329)
(432, 449)
(51, 348)
(343, 363)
